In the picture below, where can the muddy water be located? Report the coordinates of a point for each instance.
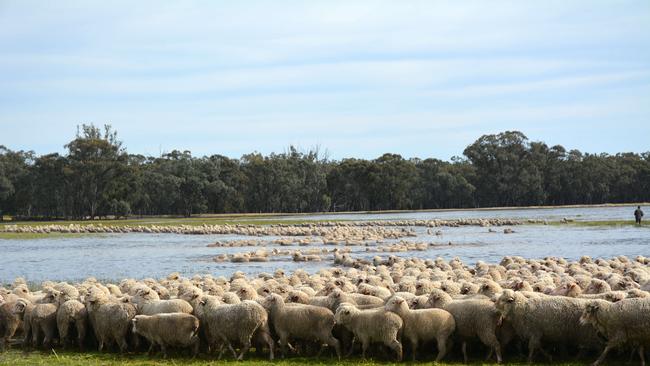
(116, 256)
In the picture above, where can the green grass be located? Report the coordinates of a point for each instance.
(68, 358)
(4, 235)
(607, 223)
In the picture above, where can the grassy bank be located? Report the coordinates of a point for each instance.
(609, 223)
(69, 358)
(40, 235)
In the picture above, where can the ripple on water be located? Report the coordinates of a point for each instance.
(115, 256)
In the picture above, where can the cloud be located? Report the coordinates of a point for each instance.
(357, 77)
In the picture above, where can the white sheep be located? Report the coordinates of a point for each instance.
(626, 321)
(168, 329)
(424, 325)
(375, 325)
(306, 322)
(247, 318)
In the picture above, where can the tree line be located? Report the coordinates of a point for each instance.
(97, 177)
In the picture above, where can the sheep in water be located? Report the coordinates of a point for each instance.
(307, 322)
(376, 325)
(168, 329)
(424, 325)
(626, 321)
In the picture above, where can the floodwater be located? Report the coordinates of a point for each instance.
(603, 213)
(136, 255)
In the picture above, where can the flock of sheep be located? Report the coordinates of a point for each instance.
(430, 307)
(346, 229)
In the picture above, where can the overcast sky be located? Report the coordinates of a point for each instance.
(356, 78)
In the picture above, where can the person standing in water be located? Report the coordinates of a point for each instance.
(638, 214)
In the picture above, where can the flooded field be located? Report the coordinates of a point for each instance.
(140, 255)
(604, 213)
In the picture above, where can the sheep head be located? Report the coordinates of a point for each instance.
(19, 307)
(589, 313)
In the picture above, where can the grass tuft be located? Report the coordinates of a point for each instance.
(68, 358)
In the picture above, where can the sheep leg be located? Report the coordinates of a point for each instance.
(163, 348)
(464, 348)
(642, 355)
(442, 348)
(36, 336)
(292, 348)
(48, 337)
(63, 334)
(284, 343)
(221, 351)
(269, 341)
(364, 348)
(81, 334)
(234, 353)
(246, 342)
(600, 359)
(333, 342)
(533, 343)
(546, 354)
(320, 350)
(490, 340)
(195, 347)
(100, 344)
(351, 348)
(489, 354)
(397, 347)
(414, 347)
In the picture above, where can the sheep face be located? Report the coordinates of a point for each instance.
(595, 287)
(589, 314)
(147, 294)
(134, 323)
(343, 315)
(396, 305)
(21, 290)
(273, 301)
(51, 296)
(19, 308)
(416, 303)
(506, 302)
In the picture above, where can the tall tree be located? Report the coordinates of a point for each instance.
(95, 161)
